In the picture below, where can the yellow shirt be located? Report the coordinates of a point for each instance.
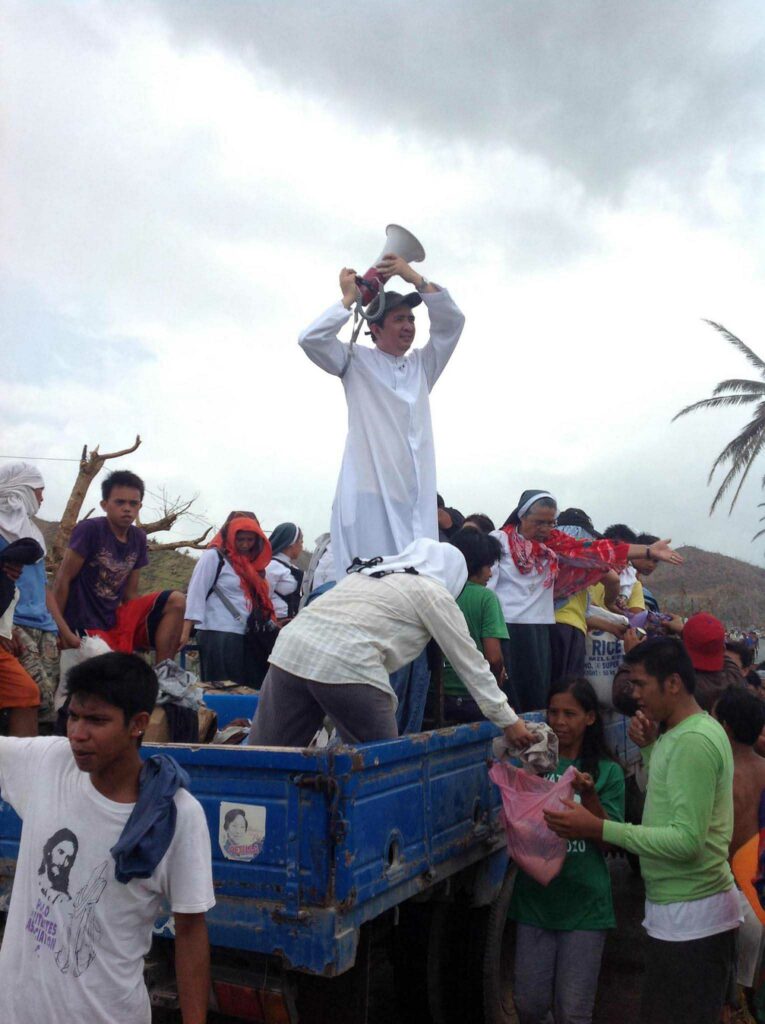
(574, 611)
(636, 599)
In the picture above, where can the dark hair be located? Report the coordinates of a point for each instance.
(479, 549)
(742, 712)
(646, 538)
(123, 680)
(543, 501)
(620, 532)
(594, 746)
(661, 657)
(234, 813)
(121, 478)
(482, 521)
(742, 650)
(576, 517)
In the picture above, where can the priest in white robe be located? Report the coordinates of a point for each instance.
(386, 492)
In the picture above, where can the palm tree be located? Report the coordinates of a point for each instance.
(741, 452)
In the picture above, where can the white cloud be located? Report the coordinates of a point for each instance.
(180, 198)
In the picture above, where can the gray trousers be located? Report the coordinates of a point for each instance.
(291, 710)
(556, 973)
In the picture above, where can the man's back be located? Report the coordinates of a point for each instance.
(748, 784)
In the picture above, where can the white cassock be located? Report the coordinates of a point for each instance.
(386, 492)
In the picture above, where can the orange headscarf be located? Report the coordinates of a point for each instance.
(249, 568)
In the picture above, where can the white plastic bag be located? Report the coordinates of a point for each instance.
(90, 647)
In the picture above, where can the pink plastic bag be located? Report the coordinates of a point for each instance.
(530, 843)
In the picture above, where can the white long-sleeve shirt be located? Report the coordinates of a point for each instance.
(386, 491)
(366, 628)
(524, 598)
(281, 583)
(210, 613)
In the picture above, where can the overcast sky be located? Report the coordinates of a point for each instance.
(181, 182)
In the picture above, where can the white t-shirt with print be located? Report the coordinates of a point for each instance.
(75, 937)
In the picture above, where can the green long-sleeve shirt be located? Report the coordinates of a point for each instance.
(688, 817)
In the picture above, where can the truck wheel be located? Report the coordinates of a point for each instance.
(488, 969)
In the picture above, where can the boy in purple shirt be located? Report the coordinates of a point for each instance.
(96, 587)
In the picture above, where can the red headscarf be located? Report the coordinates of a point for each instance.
(249, 568)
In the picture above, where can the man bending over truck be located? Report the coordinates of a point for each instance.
(335, 658)
(106, 841)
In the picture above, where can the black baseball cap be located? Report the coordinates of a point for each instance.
(392, 300)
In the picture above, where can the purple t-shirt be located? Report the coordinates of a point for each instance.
(97, 590)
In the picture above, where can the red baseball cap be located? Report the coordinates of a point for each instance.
(704, 640)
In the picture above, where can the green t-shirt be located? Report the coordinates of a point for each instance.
(688, 817)
(579, 899)
(483, 614)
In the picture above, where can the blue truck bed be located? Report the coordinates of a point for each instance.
(335, 836)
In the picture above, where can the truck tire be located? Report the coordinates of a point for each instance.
(488, 968)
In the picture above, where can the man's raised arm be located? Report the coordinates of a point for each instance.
(320, 341)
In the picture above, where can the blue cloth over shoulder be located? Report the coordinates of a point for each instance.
(150, 828)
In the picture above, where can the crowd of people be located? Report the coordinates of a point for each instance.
(409, 612)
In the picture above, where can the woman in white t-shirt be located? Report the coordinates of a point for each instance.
(540, 564)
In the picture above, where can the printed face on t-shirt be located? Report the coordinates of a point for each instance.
(122, 507)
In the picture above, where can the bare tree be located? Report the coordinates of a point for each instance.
(172, 509)
(173, 545)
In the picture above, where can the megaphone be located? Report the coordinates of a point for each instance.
(399, 241)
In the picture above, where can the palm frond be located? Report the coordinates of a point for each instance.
(740, 453)
(753, 358)
(723, 401)
(753, 386)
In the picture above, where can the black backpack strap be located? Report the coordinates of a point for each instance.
(218, 571)
(358, 564)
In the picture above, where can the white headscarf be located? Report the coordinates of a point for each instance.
(440, 562)
(18, 501)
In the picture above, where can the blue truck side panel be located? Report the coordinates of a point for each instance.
(349, 834)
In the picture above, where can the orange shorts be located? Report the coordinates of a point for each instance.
(17, 688)
(136, 623)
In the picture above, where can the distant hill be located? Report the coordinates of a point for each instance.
(729, 588)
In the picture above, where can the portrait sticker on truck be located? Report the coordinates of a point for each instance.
(241, 830)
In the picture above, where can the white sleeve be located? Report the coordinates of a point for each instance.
(199, 585)
(20, 761)
(443, 619)
(189, 883)
(286, 583)
(446, 323)
(280, 579)
(321, 343)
